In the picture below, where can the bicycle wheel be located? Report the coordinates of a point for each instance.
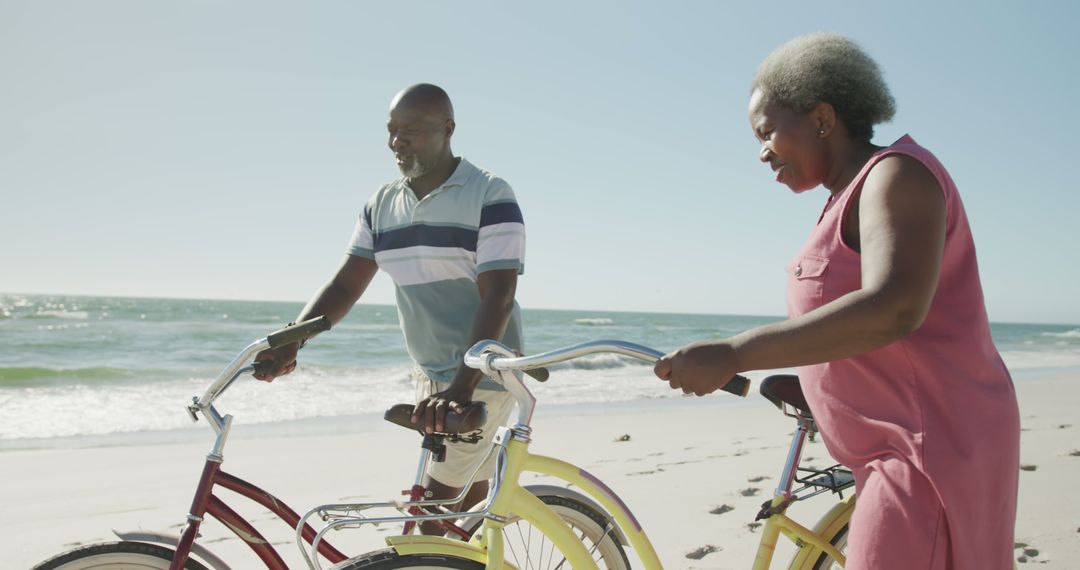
(527, 547)
(387, 558)
(839, 540)
(116, 556)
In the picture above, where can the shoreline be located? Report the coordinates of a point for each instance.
(372, 421)
(345, 424)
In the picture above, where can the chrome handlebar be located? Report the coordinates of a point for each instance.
(499, 361)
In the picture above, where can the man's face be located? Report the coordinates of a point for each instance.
(418, 138)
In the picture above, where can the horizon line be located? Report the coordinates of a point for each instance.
(778, 317)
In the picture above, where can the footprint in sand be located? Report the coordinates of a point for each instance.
(749, 491)
(1074, 453)
(702, 552)
(1064, 426)
(1028, 467)
(757, 479)
(622, 438)
(1028, 555)
(721, 510)
(681, 462)
(753, 526)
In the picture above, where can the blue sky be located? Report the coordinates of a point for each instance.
(223, 150)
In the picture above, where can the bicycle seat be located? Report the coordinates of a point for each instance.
(784, 388)
(471, 418)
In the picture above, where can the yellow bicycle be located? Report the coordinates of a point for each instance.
(551, 539)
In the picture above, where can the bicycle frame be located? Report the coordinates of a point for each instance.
(518, 460)
(212, 476)
(206, 502)
(495, 359)
(777, 522)
(508, 498)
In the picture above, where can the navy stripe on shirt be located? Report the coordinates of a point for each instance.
(419, 234)
(500, 213)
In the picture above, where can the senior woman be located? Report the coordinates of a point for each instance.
(887, 323)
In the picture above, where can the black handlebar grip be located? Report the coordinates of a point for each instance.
(539, 374)
(298, 332)
(739, 385)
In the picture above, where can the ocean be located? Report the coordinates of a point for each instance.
(78, 371)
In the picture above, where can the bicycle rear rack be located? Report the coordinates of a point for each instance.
(835, 479)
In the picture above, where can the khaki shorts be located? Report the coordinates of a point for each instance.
(461, 457)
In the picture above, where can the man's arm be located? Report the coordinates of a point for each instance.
(497, 288)
(334, 300)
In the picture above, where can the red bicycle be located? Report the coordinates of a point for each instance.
(161, 551)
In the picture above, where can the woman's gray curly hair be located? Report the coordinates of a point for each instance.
(829, 68)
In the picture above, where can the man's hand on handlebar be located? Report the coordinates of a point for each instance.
(431, 412)
(274, 362)
(698, 368)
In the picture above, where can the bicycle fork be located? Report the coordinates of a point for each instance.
(195, 515)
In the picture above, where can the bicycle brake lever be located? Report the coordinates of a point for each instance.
(539, 374)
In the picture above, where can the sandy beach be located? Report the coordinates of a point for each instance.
(694, 471)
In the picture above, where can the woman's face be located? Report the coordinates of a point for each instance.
(790, 143)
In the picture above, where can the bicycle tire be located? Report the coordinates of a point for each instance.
(122, 555)
(838, 540)
(388, 559)
(592, 527)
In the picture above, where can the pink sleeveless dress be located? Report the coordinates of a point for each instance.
(929, 424)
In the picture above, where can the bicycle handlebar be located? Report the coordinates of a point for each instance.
(298, 332)
(486, 357)
(239, 365)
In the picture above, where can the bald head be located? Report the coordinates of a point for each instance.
(420, 126)
(429, 99)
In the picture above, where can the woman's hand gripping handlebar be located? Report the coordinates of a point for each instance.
(701, 368)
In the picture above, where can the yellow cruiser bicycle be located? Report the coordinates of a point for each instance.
(550, 538)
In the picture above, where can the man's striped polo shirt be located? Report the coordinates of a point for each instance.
(434, 249)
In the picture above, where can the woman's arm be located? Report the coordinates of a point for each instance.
(901, 214)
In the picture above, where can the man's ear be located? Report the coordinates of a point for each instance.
(450, 126)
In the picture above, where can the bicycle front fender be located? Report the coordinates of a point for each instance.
(425, 544)
(171, 540)
(603, 494)
(826, 527)
(553, 490)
